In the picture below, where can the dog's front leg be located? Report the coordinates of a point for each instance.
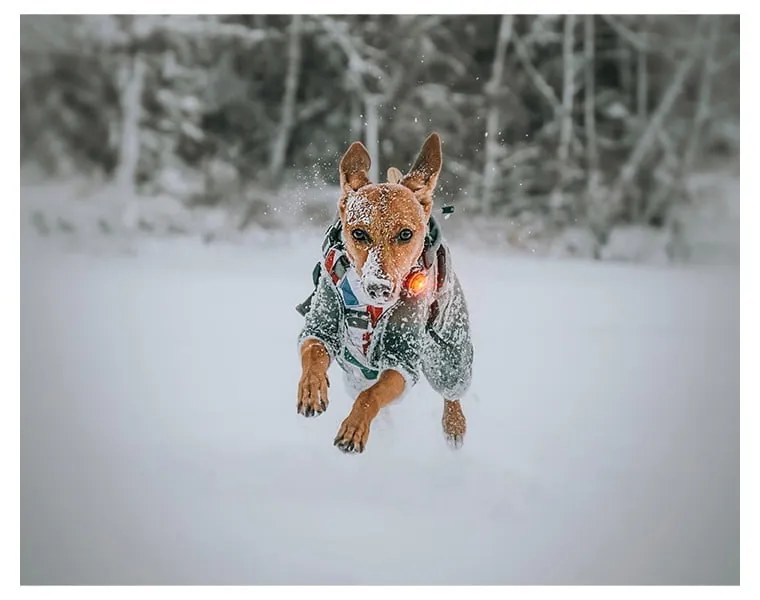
(312, 387)
(353, 433)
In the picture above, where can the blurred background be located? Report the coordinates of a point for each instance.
(178, 174)
(608, 137)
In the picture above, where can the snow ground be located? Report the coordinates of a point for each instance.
(161, 445)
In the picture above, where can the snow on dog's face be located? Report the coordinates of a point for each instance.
(384, 224)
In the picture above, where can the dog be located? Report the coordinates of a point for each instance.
(387, 304)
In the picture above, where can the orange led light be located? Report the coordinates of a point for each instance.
(416, 283)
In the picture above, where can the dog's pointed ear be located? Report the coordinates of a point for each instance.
(354, 168)
(394, 175)
(423, 175)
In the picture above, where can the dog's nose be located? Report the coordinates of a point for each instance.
(379, 289)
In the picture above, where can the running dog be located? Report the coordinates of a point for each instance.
(387, 304)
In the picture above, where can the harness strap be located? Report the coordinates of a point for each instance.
(440, 280)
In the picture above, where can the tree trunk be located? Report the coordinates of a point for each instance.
(589, 105)
(568, 91)
(287, 117)
(132, 85)
(624, 69)
(704, 100)
(492, 120)
(371, 136)
(640, 150)
(701, 115)
(642, 85)
(355, 118)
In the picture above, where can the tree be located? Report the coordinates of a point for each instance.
(544, 121)
(492, 92)
(288, 117)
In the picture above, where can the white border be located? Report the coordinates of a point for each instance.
(386, 7)
(750, 214)
(10, 297)
(749, 299)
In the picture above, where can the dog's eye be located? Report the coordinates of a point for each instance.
(360, 235)
(405, 235)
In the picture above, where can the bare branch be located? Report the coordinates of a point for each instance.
(351, 47)
(147, 26)
(589, 104)
(311, 109)
(534, 75)
(634, 39)
(631, 167)
(642, 85)
(705, 96)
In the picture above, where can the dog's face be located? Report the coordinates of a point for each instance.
(384, 225)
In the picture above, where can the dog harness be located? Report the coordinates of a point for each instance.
(336, 261)
(360, 315)
(426, 327)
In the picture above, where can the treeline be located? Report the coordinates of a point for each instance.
(578, 119)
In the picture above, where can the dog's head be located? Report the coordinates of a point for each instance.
(384, 225)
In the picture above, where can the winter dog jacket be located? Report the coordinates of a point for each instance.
(428, 332)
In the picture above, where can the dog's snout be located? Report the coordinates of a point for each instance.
(379, 289)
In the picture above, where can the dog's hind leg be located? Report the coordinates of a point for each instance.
(454, 423)
(447, 361)
(448, 369)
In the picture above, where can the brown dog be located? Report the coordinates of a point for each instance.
(381, 299)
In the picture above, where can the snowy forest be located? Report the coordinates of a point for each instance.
(550, 123)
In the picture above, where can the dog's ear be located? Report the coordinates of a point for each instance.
(354, 167)
(423, 175)
(394, 175)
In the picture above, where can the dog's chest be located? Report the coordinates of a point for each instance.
(361, 317)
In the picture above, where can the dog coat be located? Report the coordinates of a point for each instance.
(427, 333)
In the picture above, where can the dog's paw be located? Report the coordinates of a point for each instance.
(312, 394)
(353, 433)
(454, 423)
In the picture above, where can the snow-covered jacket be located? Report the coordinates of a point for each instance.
(428, 332)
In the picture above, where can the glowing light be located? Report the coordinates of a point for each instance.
(416, 283)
